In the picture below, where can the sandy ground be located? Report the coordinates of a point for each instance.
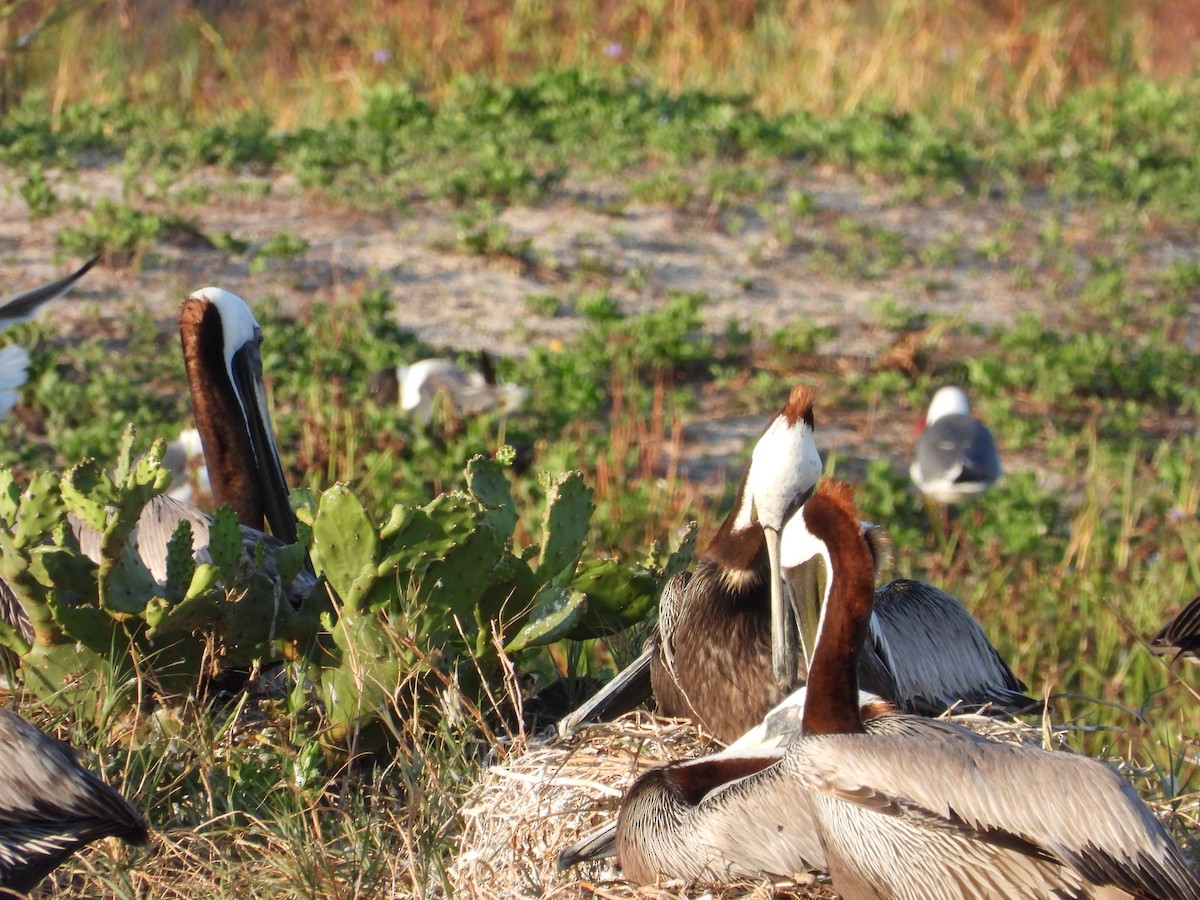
(639, 254)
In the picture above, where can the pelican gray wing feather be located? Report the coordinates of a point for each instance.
(735, 814)
(738, 824)
(50, 805)
(925, 652)
(158, 521)
(21, 306)
(1001, 812)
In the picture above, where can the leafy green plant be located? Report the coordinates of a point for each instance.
(38, 193)
(431, 590)
(283, 245)
(118, 231)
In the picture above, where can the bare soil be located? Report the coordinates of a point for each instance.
(640, 254)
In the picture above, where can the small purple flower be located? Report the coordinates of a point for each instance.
(381, 57)
(614, 51)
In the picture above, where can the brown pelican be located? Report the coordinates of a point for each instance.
(956, 455)
(421, 386)
(668, 810)
(896, 806)
(908, 815)
(20, 307)
(1181, 635)
(926, 653)
(50, 806)
(709, 660)
(726, 649)
(221, 342)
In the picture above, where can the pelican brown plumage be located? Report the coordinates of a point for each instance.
(953, 815)
(895, 806)
(221, 352)
(726, 649)
(1181, 635)
(50, 806)
(221, 347)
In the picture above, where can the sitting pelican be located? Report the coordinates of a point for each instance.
(1181, 635)
(928, 810)
(726, 649)
(956, 455)
(14, 359)
(717, 658)
(50, 806)
(221, 341)
(689, 848)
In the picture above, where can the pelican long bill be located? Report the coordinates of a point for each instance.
(246, 371)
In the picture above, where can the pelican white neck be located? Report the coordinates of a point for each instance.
(784, 468)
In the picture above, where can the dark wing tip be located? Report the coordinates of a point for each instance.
(1181, 635)
(487, 368)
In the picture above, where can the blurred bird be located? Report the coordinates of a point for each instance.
(17, 308)
(422, 386)
(1181, 635)
(50, 806)
(956, 455)
(184, 459)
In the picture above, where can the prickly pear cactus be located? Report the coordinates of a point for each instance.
(428, 598)
(439, 589)
(100, 619)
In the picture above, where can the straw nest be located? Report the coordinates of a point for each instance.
(544, 796)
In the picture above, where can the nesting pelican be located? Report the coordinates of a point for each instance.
(913, 815)
(894, 806)
(221, 341)
(675, 827)
(956, 455)
(50, 806)
(732, 642)
(726, 649)
(20, 307)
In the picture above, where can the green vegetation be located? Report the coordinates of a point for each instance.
(482, 576)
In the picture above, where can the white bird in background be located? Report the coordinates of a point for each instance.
(184, 459)
(419, 388)
(17, 308)
(956, 455)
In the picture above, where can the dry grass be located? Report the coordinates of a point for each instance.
(546, 794)
(304, 62)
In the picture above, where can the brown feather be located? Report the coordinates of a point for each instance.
(219, 417)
